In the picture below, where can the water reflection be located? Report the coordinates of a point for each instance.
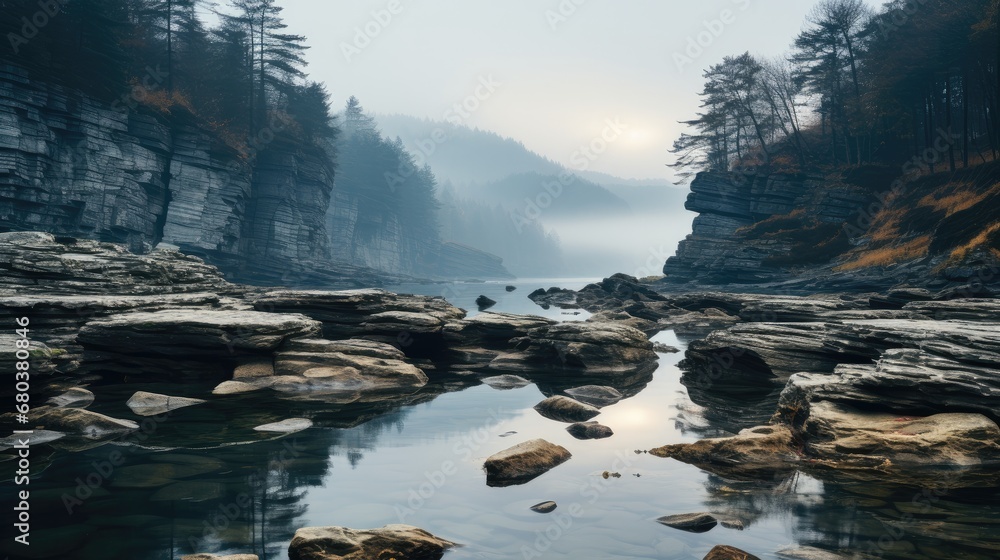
(417, 459)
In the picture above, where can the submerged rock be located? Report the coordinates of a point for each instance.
(506, 382)
(690, 522)
(74, 397)
(402, 542)
(510, 288)
(523, 462)
(151, 404)
(589, 430)
(485, 303)
(813, 553)
(81, 422)
(544, 507)
(286, 426)
(565, 409)
(725, 552)
(596, 395)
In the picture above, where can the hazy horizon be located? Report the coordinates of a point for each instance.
(555, 75)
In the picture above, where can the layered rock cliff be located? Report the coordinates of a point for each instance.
(861, 229)
(132, 174)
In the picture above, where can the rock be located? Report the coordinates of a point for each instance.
(80, 422)
(754, 452)
(690, 522)
(596, 395)
(523, 462)
(206, 556)
(286, 426)
(565, 409)
(234, 388)
(195, 332)
(368, 312)
(485, 303)
(74, 397)
(402, 542)
(511, 288)
(559, 297)
(813, 553)
(845, 436)
(506, 382)
(456, 261)
(589, 430)
(36, 437)
(724, 552)
(580, 348)
(492, 329)
(544, 507)
(152, 404)
(664, 349)
(320, 367)
(254, 367)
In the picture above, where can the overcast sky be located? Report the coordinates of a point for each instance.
(561, 70)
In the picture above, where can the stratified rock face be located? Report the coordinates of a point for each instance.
(402, 542)
(524, 462)
(718, 253)
(286, 221)
(75, 166)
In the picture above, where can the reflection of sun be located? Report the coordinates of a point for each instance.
(637, 137)
(632, 417)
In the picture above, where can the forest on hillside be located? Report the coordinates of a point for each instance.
(858, 86)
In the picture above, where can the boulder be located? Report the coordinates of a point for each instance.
(579, 348)
(544, 507)
(510, 288)
(492, 329)
(690, 522)
(523, 462)
(152, 404)
(589, 430)
(565, 409)
(725, 552)
(753, 453)
(596, 395)
(402, 542)
(559, 297)
(485, 303)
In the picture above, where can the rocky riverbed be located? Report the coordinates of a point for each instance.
(894, 388)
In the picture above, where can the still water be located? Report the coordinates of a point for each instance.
(201, 480)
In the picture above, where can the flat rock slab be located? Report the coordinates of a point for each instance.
(235, 388)
(577, 348)
(524, 462)
(596, 395)
(724, 552)
(813, 553)
(690, 522)
(286, 426)
(151, 404)
(402, 542)
(565, 409)
(196, 332)
(589, 430)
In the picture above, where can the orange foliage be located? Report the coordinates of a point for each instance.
(885, 256)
